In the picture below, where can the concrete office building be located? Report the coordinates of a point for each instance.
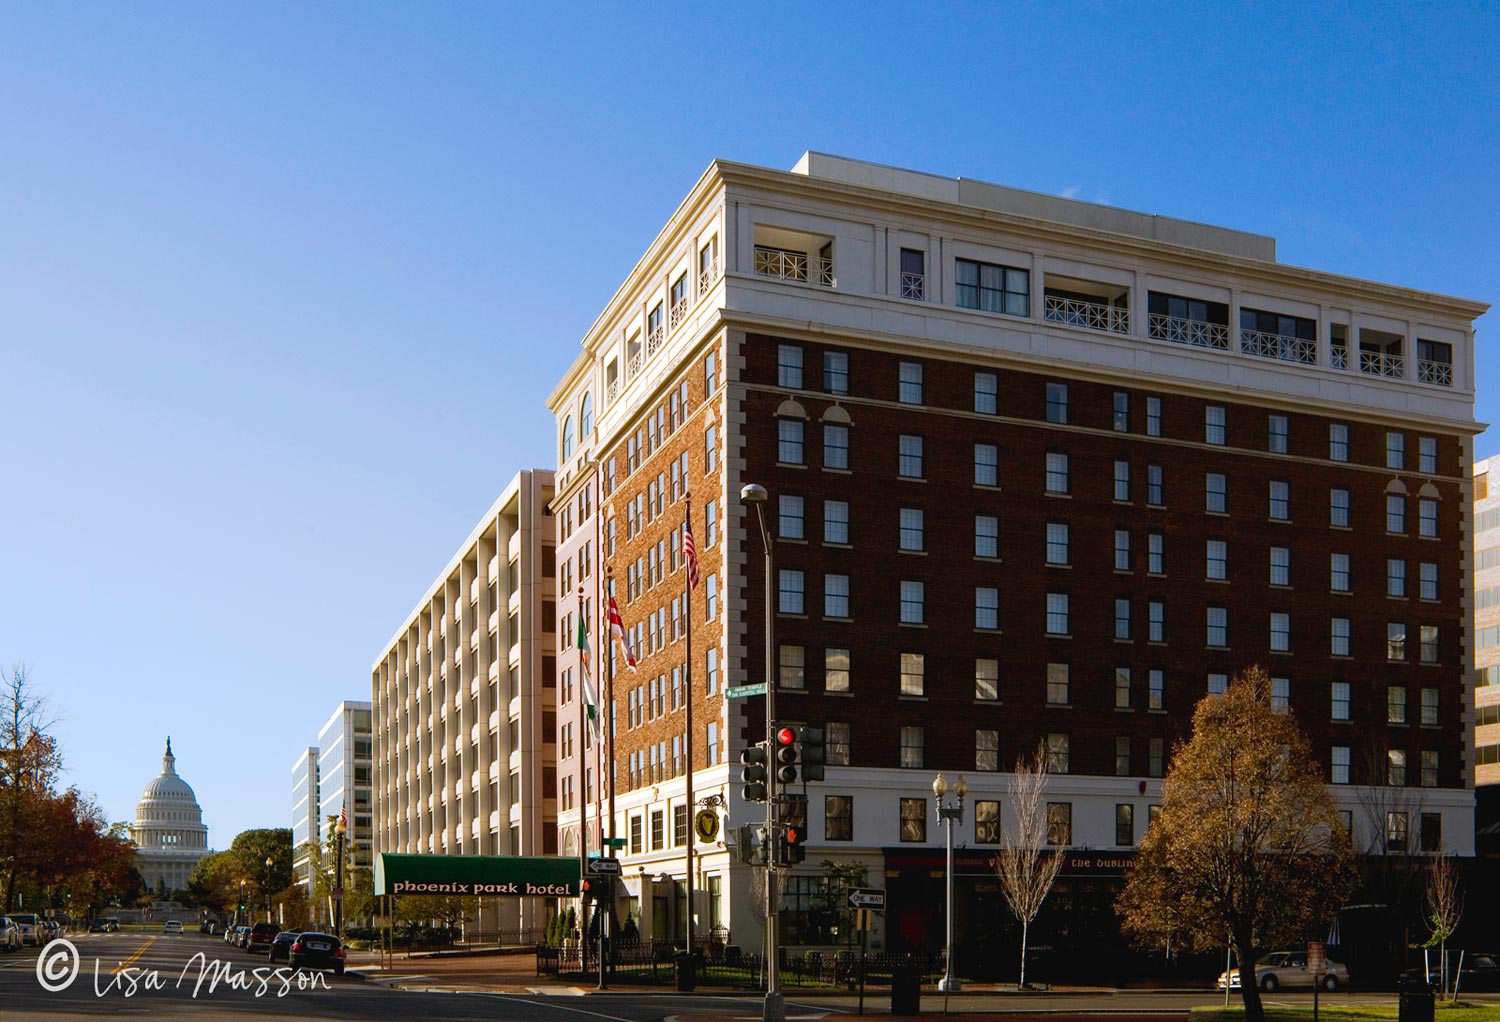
(464, 703)
(305, 824)
(345, 777)
(1040, 471)
(1486, 608)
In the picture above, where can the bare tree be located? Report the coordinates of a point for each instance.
(1026, 874)
(1445, 907)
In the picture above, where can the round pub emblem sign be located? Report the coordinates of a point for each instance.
(706, 823)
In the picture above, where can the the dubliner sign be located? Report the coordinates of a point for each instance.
(503, 876)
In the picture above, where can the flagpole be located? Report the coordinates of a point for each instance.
(609, 700)
(583, 811)
(687, 684)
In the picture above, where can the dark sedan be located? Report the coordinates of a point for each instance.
(281, 947)
(317, 951)
(1480, 972)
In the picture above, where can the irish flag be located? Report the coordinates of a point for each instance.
(590, 696)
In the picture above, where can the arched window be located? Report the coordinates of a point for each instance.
(567, 438)
(585, 418)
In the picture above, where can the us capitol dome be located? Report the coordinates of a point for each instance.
(168, 832)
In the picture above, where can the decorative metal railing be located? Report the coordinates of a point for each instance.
(635, 363)
(1440, 373)
(914, 286)
(612, 391)
(707, 276)
(1279, 346)
(654, 339)
(1091, 315)
(787, 265)
(678, 313)
(1378, 363)
(1189, 331)
(1340, 358)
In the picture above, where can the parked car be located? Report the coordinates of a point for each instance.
(171, 926)
(1480, 972)
(241, 936)
(10, 935)
(1288, 969)
(31, 928)
(111, 924)
(261, 935)
(281, 947)
(317, 951)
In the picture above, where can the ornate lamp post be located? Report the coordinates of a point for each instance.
(269, 863)
(948, 812)
(338, 883)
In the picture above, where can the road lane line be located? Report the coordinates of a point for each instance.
(560, 1007)
(135, 956)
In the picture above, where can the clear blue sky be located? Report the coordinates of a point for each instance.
(281, 287)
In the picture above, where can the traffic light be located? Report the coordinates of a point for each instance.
(813, 754)
(786, 755)
(753, 764)
(796, 837)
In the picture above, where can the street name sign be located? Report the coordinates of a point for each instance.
(866, 897)
(746, 691)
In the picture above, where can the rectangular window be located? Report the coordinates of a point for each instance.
(992, 288)
(788, 441)
(1431, 834)
(909, 387)
(1122, 480)
(1395, 768)
(1122, 756)
(914, 819)
(789, 366)
(1057, 472)
(1429, 777)
(910, 461)
(1213, 425)
(711, 670)
(1156, 690)
(1057, 685)
(1338, 700)
(838, 817)
(790, 591)
(986, 680)
(1338, 636)
(1395, 832)
(1429, 707)
(1153, 416)
(835, 670)
(986, 750)
(1281, 501)
(1057, 403)
(1338, 572)
(1218, 626)
(1276, 434)
(1156, 620)
(1155, 491)
(1060, 823)
(1338, 442)
(1124, 824)
(835, 447)
(1215, 495)
(1339, 764)
(1338, 508)
(793, 667)
(913, 602)
(836, 596)
(911, 529)
(836, 522)
(1122, 549)
(912, 741)
(1059, 753)
(836, 372)
(836, 736)
(1122, 412)
(986, 465)
(1427, 644)
(1395, 578)
(986, 822)
(1281, 695)
(1395, 641)
(1216, 559)
(986, 536)
(791, 524)
(1218, 684)
(1155, 557)
(1122, 688)
(1281, 633)
(1156, 757)
(1281, 566)
(1122, 619)
(913, 674)
(986, 393)
(1395, 513)
(986, 609)
(1057, 613)
(1429, 580)
(1395, 450)
(1427, 454)
(1427, 518)
(913, 274)
(1395, 704)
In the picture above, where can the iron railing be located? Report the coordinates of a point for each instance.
(707, 276)
(1189, 331)
(784, 264)
(1279, 346)
(723, 964)
(1379, 363)
(914, 286)
(1439, 373)
(1090, 315)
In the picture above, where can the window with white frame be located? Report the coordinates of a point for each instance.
(792, 667)
(986, 393)
(835, 447)
(1276, 434)
(1395, 450)
(1427, 644)
(790, 592)
(1156, 690)
(913, 740)
(1122, 480)
(986, 608)
(1057, 685)
(909, 387)
(1395, 578)
(1338, 636)
(1155, 553)
(1339, 764)
(1155, 490)
(986, 465)
(1338, 572)
(1057, 472)
(1057, 613)
(1057, 543)
(986, 680)
(1217, 619)
(913, 602)
(789, 448)
(1215, 493)
(909, 462)
(1427, 518)
(1429, 580)
(1281, 501)
(836, 596)
(1213, 425)
(1395, 641)
(1430, 707)
(986, 536)
(912, 529)
(835, 669)
(1395, 513)
(1281, 632)
(789, 366)
(1338, 700)
(1216, 559)
(1122, 549)
(913, 674)
(1122, 619)
(1338, 441)
(791, 521)
(1057, 403)
(1122, 688)
(1338, 508)
(986, 750)
(836, 522)
(1156, 621)
(1153, 416)
(1427, 458)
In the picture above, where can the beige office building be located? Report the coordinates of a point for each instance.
(464, 704)
(1487, 621)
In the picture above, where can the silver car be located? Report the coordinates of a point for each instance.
(10, 935)
(1289, 969)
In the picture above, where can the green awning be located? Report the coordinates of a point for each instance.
(493, 876)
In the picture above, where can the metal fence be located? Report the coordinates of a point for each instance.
(719, 964)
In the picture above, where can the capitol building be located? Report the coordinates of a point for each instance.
(168, 832)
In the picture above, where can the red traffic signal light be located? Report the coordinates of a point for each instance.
(786, 736)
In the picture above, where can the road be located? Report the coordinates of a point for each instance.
(179, 977)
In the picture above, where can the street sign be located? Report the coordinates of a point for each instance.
(614, 842)
(866, 897)
(1317, 958)
(604, 867)
(746, 691)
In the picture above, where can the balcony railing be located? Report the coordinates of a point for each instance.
(1340, 357)
(1440, 373)
(787, 265)
(654, 339)
(1279, 346)
(1189, 331)
(611, 391)
(1378, 363)
(914, 286)
(634, 363)
(1091, 315)
(707, 276)
(678, 313)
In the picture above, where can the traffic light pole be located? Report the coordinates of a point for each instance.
(775, 1006)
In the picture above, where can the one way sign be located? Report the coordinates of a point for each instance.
(866, 897)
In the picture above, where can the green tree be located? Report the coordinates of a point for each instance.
(1248, 844)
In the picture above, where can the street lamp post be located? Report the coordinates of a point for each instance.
(338, 883)
(774, 1009)
(269, 863)
(240, 905)
(948, 813)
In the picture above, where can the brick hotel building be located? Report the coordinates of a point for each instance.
(1040, 471)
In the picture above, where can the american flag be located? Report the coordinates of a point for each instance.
(690, 551)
